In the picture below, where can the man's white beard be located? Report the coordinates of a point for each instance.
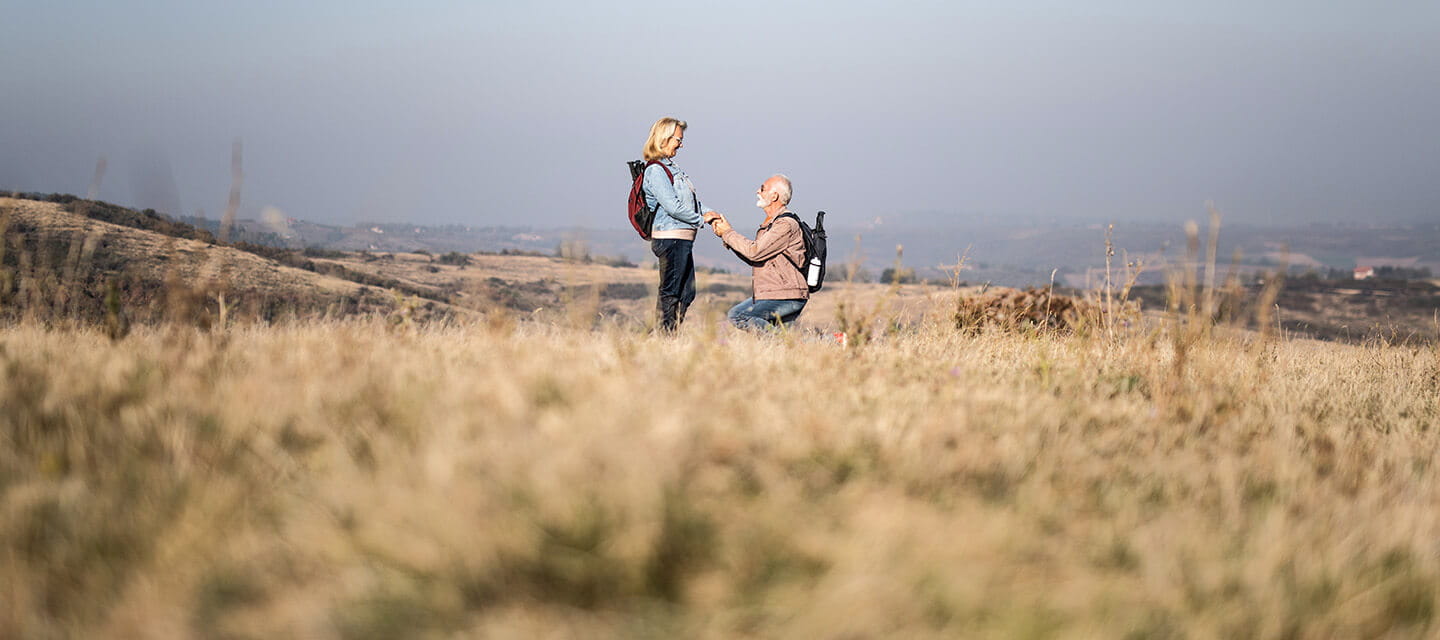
(760, 202)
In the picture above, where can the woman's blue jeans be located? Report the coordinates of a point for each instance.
(761, 314)
(677, 280)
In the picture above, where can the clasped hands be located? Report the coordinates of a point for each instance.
(717, 223)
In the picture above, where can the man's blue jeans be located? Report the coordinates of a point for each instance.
(761, 314)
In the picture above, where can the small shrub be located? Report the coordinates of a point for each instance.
(1013, 309)
(902, 275)
(319, 252)
(454, 258)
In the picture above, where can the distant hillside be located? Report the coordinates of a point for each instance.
(1001, 250)
(82, 260)
(1010, 252)
(1335, 310)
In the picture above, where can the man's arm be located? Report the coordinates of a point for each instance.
(666, 198)
(765, 246)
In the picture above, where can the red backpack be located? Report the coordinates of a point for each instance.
(641, 215)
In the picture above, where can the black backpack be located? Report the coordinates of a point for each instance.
(814, 265)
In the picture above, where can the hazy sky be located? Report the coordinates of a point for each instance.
(524, 113)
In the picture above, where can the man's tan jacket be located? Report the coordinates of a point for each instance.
(777, 249)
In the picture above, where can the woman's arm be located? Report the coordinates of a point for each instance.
(700, 206)
(663, 190)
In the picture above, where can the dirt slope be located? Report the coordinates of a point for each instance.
(60, 261)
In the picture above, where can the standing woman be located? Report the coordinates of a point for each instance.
(677, 216)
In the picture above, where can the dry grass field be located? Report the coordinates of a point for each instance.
(517, 478)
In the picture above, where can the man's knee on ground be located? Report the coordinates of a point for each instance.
(740, 319)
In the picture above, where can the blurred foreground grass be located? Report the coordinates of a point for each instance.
(352, 480)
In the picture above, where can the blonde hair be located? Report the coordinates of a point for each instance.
(661, 133)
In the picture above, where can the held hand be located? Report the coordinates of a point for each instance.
(721, 227)
(710, 216)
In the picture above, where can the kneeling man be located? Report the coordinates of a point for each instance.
(778, 292)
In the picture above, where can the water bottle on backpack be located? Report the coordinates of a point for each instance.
(814, 264)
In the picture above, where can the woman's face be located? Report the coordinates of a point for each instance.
(673, 144)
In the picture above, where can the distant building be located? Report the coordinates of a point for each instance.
(1363, 273)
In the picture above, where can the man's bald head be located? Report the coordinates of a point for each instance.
(780, 185)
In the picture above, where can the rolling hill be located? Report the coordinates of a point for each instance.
(59, 262)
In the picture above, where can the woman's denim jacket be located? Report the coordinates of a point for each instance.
(678, 206)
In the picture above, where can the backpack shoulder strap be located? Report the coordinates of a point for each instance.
(662, 166)
(798, 222)
(803, 243)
